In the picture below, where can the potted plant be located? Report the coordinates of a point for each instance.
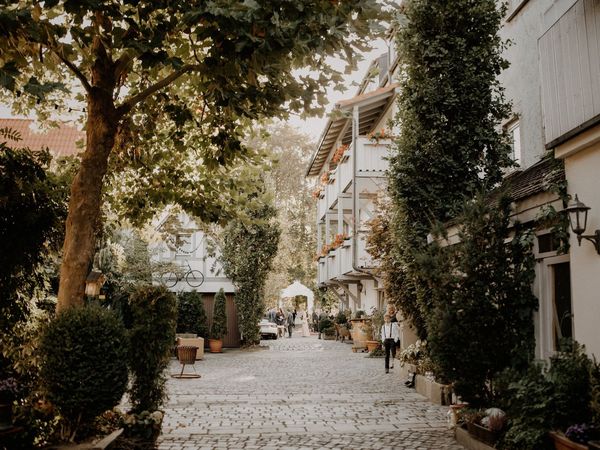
(361, 331)
(219, 323)
(376, 324)
(8, 393)
(485, 426)
(575, 438)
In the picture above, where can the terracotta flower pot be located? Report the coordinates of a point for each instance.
(561, 442)
(215, 345)
(361, 332)
(372, 345)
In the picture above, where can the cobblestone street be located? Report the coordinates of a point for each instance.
(301, 393)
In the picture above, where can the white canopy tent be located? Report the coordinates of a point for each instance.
(297, 288)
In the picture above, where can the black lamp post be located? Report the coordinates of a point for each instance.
(578, 212)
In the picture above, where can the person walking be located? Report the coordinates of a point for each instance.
(389, 336)
(294, 321)
(290, 323)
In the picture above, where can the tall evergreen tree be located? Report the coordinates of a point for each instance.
(450, 109)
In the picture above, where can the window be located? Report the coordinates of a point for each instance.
(514, 133)
(183, 244)
(547, 243)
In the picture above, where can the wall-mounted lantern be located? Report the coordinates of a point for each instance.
(578, 212)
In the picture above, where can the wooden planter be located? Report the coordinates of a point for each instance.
(482, 434)
(215, 345)
(561, 442)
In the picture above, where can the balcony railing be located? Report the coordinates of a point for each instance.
(338, 262)
(371, 161)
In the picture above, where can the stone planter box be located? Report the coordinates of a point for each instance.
(436, 393)
(406, 369)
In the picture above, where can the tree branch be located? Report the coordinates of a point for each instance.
(74, 69)
(128, 104)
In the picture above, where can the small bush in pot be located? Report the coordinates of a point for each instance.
(341, 318)
(191, 317)
(219, 324)
(84, 365)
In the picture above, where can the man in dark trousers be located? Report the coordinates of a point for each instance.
(290, 322)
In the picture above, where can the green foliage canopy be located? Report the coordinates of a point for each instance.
(449, 147)
(168, 66)
(32, 211)
(247, 257)
(482, 314)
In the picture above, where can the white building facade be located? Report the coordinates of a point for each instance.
(350, 161)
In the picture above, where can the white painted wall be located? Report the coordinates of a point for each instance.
(582, 171)
(198, 259)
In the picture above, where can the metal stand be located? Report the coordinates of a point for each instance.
(186, 355)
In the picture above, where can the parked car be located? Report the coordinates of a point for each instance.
(268, 330)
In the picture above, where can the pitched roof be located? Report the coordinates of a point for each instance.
(371, 106)
(533, 180)
(61, 141)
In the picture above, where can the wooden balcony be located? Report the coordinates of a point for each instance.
(338, 263)
(371, 162)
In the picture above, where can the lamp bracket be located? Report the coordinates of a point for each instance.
(593, 238)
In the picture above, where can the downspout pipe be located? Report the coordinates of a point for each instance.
(355, 124)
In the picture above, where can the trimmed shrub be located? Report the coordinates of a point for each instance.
(219, 324)
(325, 323)
(154, 317)
(191, 317)
(84, 365)
(341, 318)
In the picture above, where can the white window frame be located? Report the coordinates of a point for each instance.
(545, 329)
(513, 128)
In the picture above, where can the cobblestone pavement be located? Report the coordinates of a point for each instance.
(300, 393)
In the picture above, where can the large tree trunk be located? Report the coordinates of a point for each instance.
(85, 200)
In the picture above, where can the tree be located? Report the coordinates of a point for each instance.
(32, 210)
(247, 257)
(449, 148)
(289, 152)
(219, 323)
(482, 314)
(191, 317)
(215, 64)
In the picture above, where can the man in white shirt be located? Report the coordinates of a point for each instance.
(389, 336)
